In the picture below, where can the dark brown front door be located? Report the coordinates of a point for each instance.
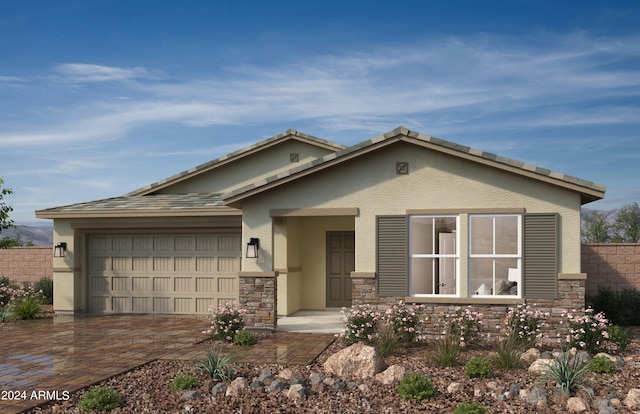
(340, 264)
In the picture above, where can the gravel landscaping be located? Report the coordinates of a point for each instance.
(272, 388)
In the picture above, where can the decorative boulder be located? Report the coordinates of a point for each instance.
(358, 361)
(541, 365)
(633, 399)
(391, 375)
(576, 405)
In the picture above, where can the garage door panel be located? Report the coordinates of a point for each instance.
(120, 283)
(120, 304)
(227, 284)
(160, 273)
(140, 304)
(140, 284)
(182, 284)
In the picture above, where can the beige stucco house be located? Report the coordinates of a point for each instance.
(400, 216)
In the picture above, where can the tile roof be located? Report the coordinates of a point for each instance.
(172, 204)
(142, 201)
(236, 154)
(451, 147)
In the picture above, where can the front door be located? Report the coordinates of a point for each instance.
(340, 264)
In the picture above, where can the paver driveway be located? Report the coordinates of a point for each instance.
(63, 354)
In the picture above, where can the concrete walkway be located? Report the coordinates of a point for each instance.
(66, 353)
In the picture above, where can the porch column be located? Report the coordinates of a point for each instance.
(258, 295)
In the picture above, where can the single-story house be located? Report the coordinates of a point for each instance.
(296, 222)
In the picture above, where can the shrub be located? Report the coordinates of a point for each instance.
(619, 337)
(100, 398)
(217, 365)
(5, 313)
(386, 342)
(508, 353)
(7, 290)
(588, 331)
(415, 387)
(244, 338)
(464, 324)
(524, 324)
(621, 307)
(404, 320)
(45, 285)
(470, 408)
(601, 365)
(478, 367)
(183, 382)
(361, 324)
(227, 321)
(567, 372)
(447, 349)
(26, 307)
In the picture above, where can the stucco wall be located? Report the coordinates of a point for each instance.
(614, 265)
(26, 264)
(435, 182)
(252, 167)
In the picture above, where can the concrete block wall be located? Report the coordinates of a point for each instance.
(27, 264)
(616, 265)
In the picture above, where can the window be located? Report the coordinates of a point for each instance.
(433, 257)
(495, 255)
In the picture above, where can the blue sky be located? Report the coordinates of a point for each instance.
(98, 98)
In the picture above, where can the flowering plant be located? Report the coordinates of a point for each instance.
(404, 320)
(587, 331)
(463, 324)
(524, 325)
(23, 303)
(228, 320)
(361, 323)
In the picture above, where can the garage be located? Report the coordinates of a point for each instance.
(181, 273)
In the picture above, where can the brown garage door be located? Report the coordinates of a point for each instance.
(162, 273)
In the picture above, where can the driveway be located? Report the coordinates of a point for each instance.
(57, 356)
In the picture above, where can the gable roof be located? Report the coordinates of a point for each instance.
(290, 134)
(589, 191)
(143, 202)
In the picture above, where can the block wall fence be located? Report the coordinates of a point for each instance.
(27, 263)
(611, 265)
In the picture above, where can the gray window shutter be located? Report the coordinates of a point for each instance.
(540, 256)
(392, 255)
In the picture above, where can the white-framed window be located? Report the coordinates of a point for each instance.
(433, 255)
(495, 254)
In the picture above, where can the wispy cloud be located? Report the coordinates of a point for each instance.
(84, 72)
(446, 85)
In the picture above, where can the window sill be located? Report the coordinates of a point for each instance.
(489, 300)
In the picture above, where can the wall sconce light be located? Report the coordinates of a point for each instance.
(252, 248)
(60, 250)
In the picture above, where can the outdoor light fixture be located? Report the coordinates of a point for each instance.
(252, 248)
(60, 250)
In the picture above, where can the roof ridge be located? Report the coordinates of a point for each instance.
(450, 145)
(233, 154)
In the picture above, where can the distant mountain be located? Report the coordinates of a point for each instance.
(610, 215)
(38, 236)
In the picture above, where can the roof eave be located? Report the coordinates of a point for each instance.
(204, 212)
(587, 194)
(236, 155)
